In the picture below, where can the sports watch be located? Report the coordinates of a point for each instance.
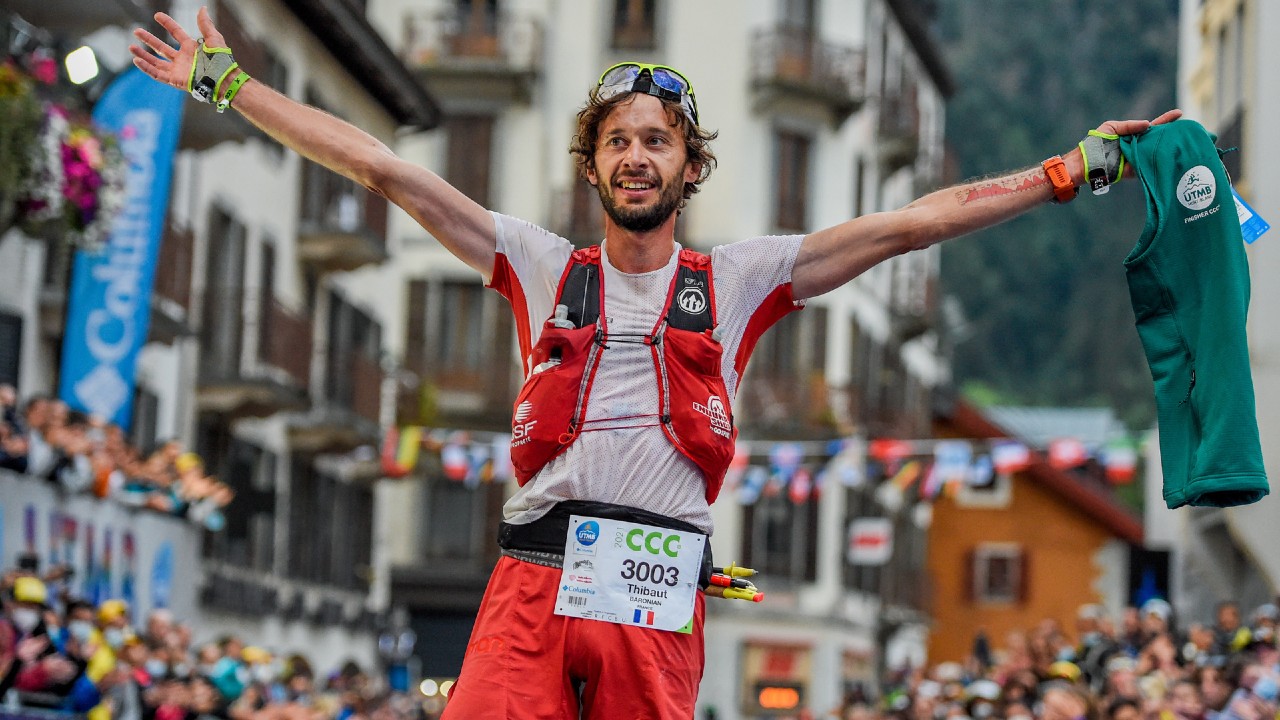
(1064, 190)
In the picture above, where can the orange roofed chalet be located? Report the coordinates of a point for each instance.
(1034, 545)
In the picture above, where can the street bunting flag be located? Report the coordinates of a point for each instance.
(951, 460)
(1121, 461)
(1010, 457)
(1067, 453)
(109, 309)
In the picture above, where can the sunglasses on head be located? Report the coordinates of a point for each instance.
(659, 81)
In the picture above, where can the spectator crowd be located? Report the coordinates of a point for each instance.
(80, 453)
(1142, 668)
(67, 655)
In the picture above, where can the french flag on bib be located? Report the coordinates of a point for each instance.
(642, 617)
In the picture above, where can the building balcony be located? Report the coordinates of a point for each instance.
(347, 416)
(171, 296)
(916, 313)
(478, 397)
(343, 225)
(474, 55)
(275, 381)
(285, 343)
(899, 130)
(785, 406)
(794, 70)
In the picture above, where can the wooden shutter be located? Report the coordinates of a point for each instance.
(415, 351)
(1023, 563)
(469, 155)
(969, 571)
(10, 347)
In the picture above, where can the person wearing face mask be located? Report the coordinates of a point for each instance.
(22, 639)
(113, 619)
(36, 665)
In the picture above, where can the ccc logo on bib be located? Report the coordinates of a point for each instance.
(1197, 188)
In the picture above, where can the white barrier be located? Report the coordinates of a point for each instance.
(142, 556)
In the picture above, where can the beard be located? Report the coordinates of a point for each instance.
(642, 218)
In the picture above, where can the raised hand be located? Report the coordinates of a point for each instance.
(169, 65)
(1134, 127)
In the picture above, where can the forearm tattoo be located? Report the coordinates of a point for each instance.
(1032, 178)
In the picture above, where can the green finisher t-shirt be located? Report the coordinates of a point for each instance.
(1189, 285)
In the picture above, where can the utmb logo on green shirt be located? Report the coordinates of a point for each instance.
(1197, 188)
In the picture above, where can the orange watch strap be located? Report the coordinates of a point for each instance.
(1064, 190)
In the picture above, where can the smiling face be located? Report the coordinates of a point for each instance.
(641, 165)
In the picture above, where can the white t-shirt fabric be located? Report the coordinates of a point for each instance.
(622, 456)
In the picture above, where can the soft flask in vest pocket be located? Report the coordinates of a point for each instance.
(544, 420)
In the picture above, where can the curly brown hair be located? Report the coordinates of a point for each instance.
(697, 142)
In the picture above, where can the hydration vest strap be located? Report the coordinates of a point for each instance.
(691, 301)
(581, 290)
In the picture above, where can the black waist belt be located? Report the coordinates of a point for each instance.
(547, 534)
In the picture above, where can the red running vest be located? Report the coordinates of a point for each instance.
(693, 403)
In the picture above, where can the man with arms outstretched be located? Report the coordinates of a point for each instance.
(632, 352)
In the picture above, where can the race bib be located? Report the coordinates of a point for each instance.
(630, 574)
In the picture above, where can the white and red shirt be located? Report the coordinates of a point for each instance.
(629, 461)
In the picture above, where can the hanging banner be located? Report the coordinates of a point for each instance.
(109, 309)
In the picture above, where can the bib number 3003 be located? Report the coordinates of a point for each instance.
(655, 573)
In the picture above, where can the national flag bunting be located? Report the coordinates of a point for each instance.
(1067, 453)
(1010, 457)
(1121, 461)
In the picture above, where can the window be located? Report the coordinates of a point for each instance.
(248, 540)
(777, 354)
(222, 313)
(799, 14)
(275, 76)
(791, 212)
(355, 343)
(998, 573)
(468, 163)
(635, 24)
(266, 298)
(330, 521)
(1230, 66)
(782, 537)
(146, 411)
(461, 522)
(10, 348)
(461, 340)
(415, 350)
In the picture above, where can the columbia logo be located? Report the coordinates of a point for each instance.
(523, 411)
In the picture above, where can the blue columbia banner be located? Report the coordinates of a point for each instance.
(110, 305)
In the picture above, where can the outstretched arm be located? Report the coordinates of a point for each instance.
(464, 227)
(832, 257)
